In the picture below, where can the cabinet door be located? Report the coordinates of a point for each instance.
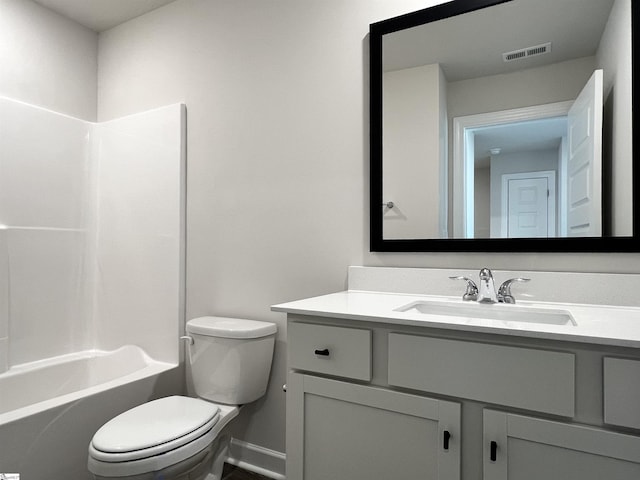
(343, 431)
(517, 447)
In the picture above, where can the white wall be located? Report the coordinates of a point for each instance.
(277, 203)
(412, 102)
(614, 57)
(47, 60)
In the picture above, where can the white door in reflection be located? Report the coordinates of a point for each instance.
(528, 201)
(584, 187)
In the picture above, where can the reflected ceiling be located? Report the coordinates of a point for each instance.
(520, 137)
(574, 32)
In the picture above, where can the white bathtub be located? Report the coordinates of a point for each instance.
(37, 386)
(50, 409)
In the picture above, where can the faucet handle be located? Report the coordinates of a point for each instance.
(472, 289)
(504, 292)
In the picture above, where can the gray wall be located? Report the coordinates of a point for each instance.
(414, 102)
(482, 202)
(617, 148)
(277, 103)
(47, 60)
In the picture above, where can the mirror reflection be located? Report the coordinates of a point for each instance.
(513, 121)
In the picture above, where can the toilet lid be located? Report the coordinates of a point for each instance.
(226, 327)
(155, 427)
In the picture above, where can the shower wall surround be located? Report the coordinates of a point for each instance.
(140, 182)
(90, 232)
(43, 205)
(4, 301)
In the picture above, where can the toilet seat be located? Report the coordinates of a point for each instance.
(153, 428)
(156, 435)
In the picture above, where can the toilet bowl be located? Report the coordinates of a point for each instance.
(182, 438)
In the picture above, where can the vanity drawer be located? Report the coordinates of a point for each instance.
(344, 352)
(539, 380)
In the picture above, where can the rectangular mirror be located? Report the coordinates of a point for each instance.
(504, 126)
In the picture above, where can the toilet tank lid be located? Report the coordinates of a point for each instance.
(226, 327)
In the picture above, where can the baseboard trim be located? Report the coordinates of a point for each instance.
(257, 459)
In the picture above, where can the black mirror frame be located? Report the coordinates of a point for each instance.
(379, 244)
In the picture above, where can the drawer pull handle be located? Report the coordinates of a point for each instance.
(324, 353)
(494, 451)
(447, 436)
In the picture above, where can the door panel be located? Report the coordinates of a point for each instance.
(584, 189)
(563, 463)
(528, 205)
(529, 448)
(527, 217)
(339, 430)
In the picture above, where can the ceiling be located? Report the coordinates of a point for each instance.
(471, 45)
(527, 136)
(99, 15)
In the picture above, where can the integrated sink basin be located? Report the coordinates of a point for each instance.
(491, 311)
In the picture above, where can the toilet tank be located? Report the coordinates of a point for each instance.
(229, 359)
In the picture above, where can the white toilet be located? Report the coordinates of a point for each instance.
(180, 438)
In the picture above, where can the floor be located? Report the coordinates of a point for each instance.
(234, 473)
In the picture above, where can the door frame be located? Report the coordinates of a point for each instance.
(463, 144)
(550, 175)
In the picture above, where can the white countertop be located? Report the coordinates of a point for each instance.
(596, 324)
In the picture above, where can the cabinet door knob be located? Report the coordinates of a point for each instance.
(445, 443)
(494, 451)
(324, 352)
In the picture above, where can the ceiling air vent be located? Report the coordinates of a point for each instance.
(527, 52)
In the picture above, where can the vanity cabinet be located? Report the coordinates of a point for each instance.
(370, 400)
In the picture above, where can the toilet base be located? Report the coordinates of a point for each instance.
(204, 465)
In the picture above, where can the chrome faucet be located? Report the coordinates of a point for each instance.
(486, 292)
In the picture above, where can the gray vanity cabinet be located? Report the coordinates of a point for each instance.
(518, 447)
(369, 400)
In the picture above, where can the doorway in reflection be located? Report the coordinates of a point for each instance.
(533, 172)
(517, 170)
